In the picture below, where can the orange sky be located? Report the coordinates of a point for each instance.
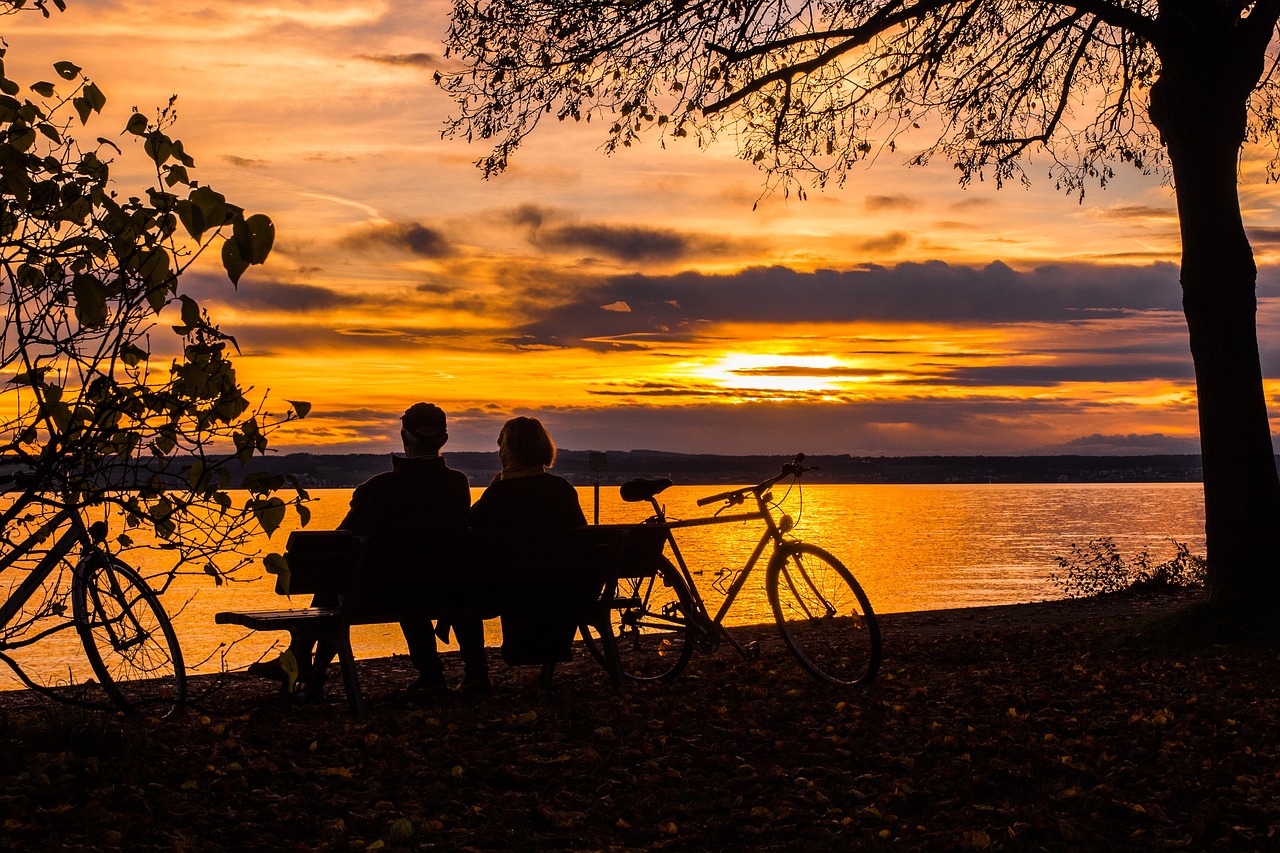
(639, 301)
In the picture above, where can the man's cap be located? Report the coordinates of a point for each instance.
(424, 420)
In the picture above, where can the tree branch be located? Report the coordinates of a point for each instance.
(1021, 145)
(853, 38)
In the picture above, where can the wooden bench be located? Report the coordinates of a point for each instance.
(489, 572)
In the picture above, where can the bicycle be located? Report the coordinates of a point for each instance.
(126, 633)
(822, 613)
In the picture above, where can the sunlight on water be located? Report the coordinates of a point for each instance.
(911, 548)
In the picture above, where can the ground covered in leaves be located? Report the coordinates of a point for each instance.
(1100, 733)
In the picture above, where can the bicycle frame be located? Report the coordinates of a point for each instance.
(65, 543)
(773, 535)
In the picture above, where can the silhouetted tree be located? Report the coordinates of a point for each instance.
(119, 401)
(1171, 87)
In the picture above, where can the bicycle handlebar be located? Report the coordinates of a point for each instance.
(794, 468)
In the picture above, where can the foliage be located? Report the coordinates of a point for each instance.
(1099, 569)
(121, 406)
(1036, 737)
(810, 89)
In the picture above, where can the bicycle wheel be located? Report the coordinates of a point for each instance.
(651, 627)
(823, 615)
(127, 636)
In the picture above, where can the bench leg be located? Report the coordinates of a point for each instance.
(608, 645)
(350, 680)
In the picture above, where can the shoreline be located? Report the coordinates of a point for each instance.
(385, 674)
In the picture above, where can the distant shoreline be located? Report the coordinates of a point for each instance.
(316, 470)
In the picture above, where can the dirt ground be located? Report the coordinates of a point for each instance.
(1097, 724)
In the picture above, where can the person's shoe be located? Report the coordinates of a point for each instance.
(430, 687)
(475, 685)
(313, 692)
(268, 669)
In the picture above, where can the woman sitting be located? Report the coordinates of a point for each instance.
(539, 627)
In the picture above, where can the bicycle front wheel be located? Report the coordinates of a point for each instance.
(650, 620)
(823, 615)
(127, 636)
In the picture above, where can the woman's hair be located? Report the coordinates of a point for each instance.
(527, 442)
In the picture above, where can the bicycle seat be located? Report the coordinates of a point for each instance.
(642, 490)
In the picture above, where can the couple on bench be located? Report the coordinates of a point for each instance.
(420, 495)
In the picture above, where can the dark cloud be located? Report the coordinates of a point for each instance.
(986, 425)
(890, 202)
(291, 297)
(1137, 211)
(1263, 236)
(623, 243)
(253, 294)
(801, 370)
(631, 243)
(883, 244)
(243, 162)
(411, 237)
(417, 60)
(1126, 445)
(1176, 370)
(928, 292)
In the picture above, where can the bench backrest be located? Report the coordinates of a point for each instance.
(468, 560)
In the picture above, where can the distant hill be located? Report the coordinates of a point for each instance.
(348, 470)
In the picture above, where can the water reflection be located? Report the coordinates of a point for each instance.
(911, 548)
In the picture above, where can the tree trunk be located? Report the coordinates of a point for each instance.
(1202, 118)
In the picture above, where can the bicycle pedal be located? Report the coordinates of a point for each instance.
(752, 649)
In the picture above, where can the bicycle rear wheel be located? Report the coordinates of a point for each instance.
(650, 621)
(823, 615)
(127, 636)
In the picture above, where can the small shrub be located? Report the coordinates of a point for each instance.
(1099, 569)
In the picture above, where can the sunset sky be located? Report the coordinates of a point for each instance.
(638, 301)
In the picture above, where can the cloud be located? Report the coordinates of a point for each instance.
(884, 244)
(417, 60)
(890, 202)
(1131, 444)
(928, 292)
(552, 231)
(1136, 211)
(1263, 236)
(983, 426)
(1178, 370)
(412, 237)
(244, 162)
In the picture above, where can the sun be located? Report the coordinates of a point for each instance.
(763, 372)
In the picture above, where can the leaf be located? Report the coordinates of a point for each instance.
(94, 96)
(190, 312)
(269, 513)
(66, 70)
(259, 233)
(44, 89)
(137, 124)
(91, 301)
(133, 355)
(301, 408)
(275, 564)
(192, 217)
(233, 262)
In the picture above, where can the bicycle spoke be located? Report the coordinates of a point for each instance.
(652, 630)
(823, 615)
(127, 636)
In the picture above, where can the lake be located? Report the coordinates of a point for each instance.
(912, 547)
